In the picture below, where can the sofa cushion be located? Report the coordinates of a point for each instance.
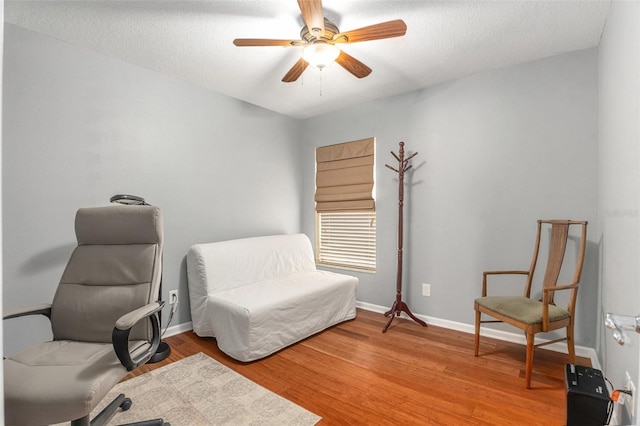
(254, 321)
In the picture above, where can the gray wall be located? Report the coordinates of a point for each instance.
(497, 151)
(619, 187)
(80, 127)
(1, 261)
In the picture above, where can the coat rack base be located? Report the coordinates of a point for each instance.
(395, 311)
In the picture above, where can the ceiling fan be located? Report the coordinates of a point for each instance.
(320, 37)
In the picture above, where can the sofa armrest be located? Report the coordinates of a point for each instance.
(123, 326)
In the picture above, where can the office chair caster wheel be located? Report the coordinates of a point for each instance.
(126, 404)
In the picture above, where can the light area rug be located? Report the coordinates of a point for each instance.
(199, 390)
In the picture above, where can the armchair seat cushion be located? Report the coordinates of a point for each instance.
(522, 309)
(58, 380)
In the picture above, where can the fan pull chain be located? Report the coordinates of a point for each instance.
(320, 83)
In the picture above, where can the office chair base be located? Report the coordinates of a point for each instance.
(154, 422)
(110, 410)
(163, 352)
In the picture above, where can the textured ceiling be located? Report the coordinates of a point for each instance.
(192, 40)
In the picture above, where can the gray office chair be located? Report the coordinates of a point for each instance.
(104, 318)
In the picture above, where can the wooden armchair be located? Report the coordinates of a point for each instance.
(535, 316)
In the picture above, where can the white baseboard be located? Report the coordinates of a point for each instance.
(506, 336)
(178, 328)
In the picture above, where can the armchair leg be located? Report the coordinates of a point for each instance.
(529, 362)
(477, 338)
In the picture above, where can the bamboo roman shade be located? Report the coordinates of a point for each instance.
(344, 176)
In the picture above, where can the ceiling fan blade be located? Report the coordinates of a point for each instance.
(379, 31)
(353, 65)
(264, 42)
(311, 11)
(296, 70)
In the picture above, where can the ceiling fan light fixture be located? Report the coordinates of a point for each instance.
(320, 54)
(319, 38)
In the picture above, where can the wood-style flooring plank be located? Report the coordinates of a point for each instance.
(353, 373)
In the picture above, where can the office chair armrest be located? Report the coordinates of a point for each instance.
(41, 309)
(129, 320)
(120, 335)
(505, 272)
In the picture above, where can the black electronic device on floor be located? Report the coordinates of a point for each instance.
(588, 400)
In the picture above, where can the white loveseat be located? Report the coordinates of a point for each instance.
(259, 295)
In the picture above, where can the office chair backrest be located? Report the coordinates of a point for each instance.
(115, 268)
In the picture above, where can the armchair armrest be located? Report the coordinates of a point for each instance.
(505, 272)
(123, 326)
(41, 309)
(547, 297)
(548, 290)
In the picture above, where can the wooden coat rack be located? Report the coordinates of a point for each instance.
(399, 306)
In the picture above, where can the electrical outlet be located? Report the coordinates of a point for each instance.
(630, 399)
(426, 289)
(173, 297)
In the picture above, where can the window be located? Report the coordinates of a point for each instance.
(347, 240)
(345, 207)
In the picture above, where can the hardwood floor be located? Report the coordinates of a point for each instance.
(354, 374)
